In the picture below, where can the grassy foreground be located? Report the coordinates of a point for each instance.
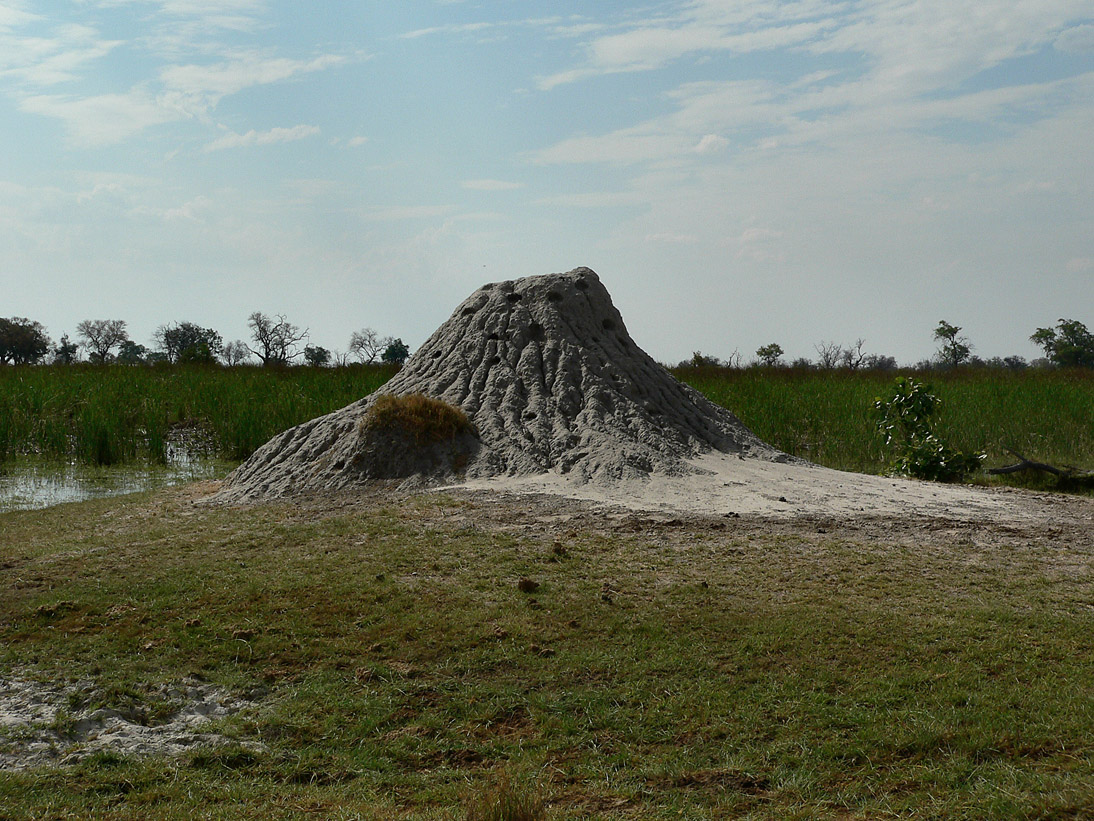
(662, 668)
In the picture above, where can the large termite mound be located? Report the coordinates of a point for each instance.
(548, 379)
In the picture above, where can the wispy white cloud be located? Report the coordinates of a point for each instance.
(1077, 40)
(566, 26)
(711, 144)
(102, 119)
(596, 199)
(252, 137)
(759, 245)
(196, 88)
(695, 28)
(36, 54)
(456, 28)
(191, 211)
(14, 14)
(405, 212)
(819, 106)
(39, 60)
(673, 239)
(189, 91)
(910, 45)
(490, 185)
(626, 146)
(201, 16)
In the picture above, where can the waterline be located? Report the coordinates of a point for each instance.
(33, 485)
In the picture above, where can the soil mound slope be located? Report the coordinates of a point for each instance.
(544, 369)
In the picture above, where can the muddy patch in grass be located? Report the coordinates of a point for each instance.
(44, 724)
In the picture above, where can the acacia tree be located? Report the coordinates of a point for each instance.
(130, 353)
(367, 345)
(22, 341)
(1069, 344)
(770, 354)
(955, 349)
(277, 339)
(395, 353)
(187, 342)
(66, 351)
(316, 356)
(100, 336)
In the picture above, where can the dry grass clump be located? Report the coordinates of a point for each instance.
(504, 801)
(420, 417)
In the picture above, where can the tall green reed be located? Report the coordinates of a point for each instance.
(825, 416)
(118, 414)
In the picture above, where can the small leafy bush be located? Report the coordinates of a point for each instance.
(904, 419)
(427, 421)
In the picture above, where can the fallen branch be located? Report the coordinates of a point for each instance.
(1069, 473)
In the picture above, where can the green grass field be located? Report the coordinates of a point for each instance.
(663, 668)
(121, 414)
(124, 414)
(826, 417)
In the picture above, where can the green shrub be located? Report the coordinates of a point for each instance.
(904, 419)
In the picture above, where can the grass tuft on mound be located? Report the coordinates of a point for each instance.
(427, 421)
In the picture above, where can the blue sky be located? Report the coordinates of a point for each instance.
(738, 173)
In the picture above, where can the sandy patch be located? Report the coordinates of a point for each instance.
(727, 485)
(37, 726)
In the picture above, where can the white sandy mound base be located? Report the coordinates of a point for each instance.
(727, 485)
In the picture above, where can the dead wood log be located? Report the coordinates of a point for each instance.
(1068, 472)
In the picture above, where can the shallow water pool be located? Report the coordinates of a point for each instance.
(32, 485)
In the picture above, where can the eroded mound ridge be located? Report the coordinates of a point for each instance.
(545, 369)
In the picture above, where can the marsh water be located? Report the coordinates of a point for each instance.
(33, 484)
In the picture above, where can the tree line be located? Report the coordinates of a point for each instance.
(1067, 345)
(275, 341)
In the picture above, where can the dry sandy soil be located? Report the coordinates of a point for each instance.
(728, 485)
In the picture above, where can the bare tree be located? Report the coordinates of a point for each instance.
(277, 338)
(100, 336)
(829, 353)
(853, 356)
(235, 352)
(367, 345)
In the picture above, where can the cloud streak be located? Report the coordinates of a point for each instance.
(38, 56)
(490, 185)
(271, 137)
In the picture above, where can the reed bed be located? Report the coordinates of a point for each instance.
(827, 416)
(119, 414)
